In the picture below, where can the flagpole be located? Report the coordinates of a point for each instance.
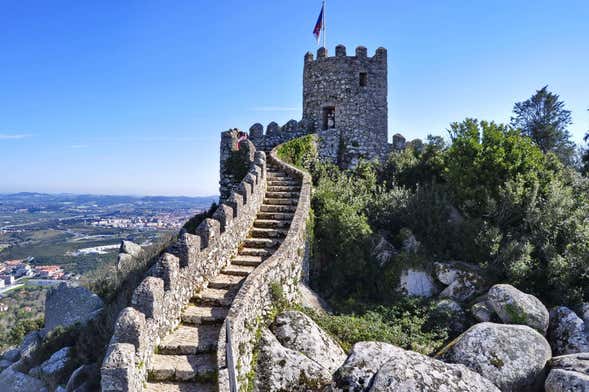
(324, 24)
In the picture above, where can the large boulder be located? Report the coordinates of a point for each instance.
(29, 349)
(11, 355)
(296, 331)
(482, 311)
(463, 281)
(449, 313)
(417, 283)
(566, 332)
(364, 361)
(12, 380)
(584, 314)
(67, 305)
(83, 378)
(568, 373)
(513, 357)
(516, 307)
(283, 369)
(58, 367)
(409, 371)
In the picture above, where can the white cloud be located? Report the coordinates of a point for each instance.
(275, 109)
(6, 136)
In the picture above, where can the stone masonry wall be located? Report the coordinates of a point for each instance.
(180, 273)
(254, 299)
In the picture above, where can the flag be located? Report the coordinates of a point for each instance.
(318, 25)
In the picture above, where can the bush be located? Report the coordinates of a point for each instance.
(300, 152)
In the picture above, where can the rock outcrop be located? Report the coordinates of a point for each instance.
(283, 369)
(417, 283)
(516, 307)
(296, 331)
(463, 281)
(513, 357)
(379, 367)
(58, 367)
(12, 380)
(566, 332)
(67, 305)
(568, 373)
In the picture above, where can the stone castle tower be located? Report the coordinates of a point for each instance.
(347, 93)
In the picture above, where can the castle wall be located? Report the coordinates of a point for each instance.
(190, 263)
(336, 82)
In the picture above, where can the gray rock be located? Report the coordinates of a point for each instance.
(67, 305)
(29, 346)
(4, 363)
(584, 314)
(482, 311)
(82, 376)
(451, 312)
(566, 332)
(417, 283)
(256, 131)
(516, 307)
(11, 355)
(364, 361)
(283, 369)
(464, 281)
(60, 389)
(35, 372)
(409, 371)
(382, 250)
(272, 129)
(12, 380)
(58, 367)
(296, 331)
(568, 373)
(131, 248)
(290, 126)
(513, 357)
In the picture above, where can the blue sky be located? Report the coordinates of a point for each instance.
(129, 97)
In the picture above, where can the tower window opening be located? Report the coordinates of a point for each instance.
(328, 117)
(363, 79)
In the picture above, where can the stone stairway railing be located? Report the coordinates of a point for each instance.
(185, 269)
(254, 300)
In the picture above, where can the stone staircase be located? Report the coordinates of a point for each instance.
(185, 360)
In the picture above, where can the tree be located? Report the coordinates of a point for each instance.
(585, 156)
(545, 120)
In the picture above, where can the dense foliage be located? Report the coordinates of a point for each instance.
(545, 120)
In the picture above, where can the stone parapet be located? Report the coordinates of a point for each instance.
(254, 299)
(185, 269)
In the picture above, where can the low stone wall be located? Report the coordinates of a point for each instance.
(254, 299)
(178, 275)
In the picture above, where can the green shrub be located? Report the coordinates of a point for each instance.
(300, 152)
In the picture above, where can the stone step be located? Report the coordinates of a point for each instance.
(214, 297)
(261, 242)
(281, 201)
(239, 270)
(248, 260)
(224, 281)
(282, 195)
(195, 314)
(257, 253)
(271, 223)
(282, 182)
(179, 387)
(191, 339)
(277, 208)
(283, 188)
(275, 215)
(183, 367)
(260, 232)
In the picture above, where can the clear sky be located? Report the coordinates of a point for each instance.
(129, 97)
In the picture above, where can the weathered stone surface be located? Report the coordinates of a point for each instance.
(513, 357)
(58, 367)
(452, 313)
(67, 305)
(296, 331)
(11, 355)
(131, 248)
(584, 314)
(272, 129)
(409, 371)
(256, 131)
(283, 369)
(15, 381)
(464, 281)
(482, 311)
(4, 364)
(82, 378)
(364, 361)
(29, 346)
(566, 332)
(568, 373)
(417, 283)
(516, 307)
(382, 250)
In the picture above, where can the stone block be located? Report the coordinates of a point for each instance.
(208, 230)
(148, 296)
(130, 328)
(118, 369)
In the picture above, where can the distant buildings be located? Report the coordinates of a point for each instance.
(11, 270)
(49, 272)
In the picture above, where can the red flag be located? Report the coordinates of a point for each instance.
(318, 25)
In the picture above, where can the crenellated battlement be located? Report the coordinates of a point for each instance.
(361, 53)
